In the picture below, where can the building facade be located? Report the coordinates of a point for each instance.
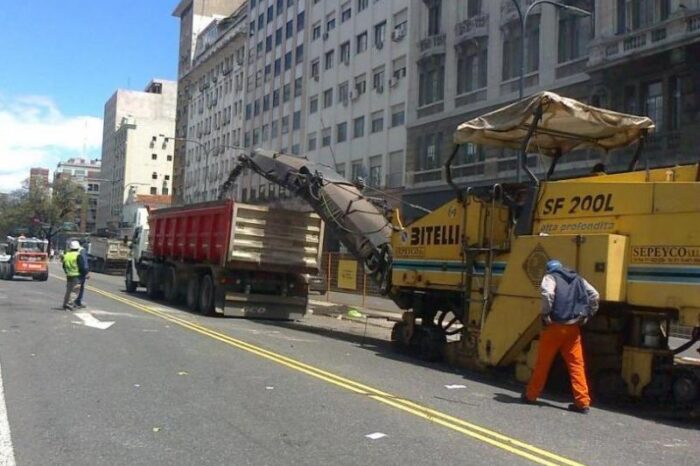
(85, 173)
(135, 149)
(465, 61)
(195, 16)
(38, 177)
(358, 87)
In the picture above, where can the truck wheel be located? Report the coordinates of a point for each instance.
(131, 285)
(152, 290)
(193, 294)
(170, 291)
(431, 344)
(206, 296)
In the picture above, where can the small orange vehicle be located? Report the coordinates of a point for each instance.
(25, 257)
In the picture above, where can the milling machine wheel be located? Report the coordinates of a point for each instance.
(431, 343)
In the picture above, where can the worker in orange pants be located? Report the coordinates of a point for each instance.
(568, 301)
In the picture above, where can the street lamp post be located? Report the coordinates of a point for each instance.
(523, 45)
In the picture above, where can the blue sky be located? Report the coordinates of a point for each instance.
(61, 60)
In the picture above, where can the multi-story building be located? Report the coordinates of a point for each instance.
(213, 89)
(38, 177)
(86, 173)
(195, 16)
(464, 61)
(645, 59)
(357, 58)
(135, 149)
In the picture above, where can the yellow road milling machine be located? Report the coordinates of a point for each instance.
(467, 274)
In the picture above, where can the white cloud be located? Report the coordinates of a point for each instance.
(34, 133)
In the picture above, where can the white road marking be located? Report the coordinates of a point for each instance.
(455, 386)
(7, 453)
(90, 321)
(375, 436)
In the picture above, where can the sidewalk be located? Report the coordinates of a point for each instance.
(382, 311)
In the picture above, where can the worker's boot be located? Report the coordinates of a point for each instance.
(579, 409)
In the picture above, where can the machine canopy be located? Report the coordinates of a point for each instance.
(566, 125)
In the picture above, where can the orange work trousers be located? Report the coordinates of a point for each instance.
(565, 339)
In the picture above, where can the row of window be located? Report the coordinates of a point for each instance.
(358, 127)
(289, 26)
(168, 157)
(272, 100)
(266, 74)
(272, 130)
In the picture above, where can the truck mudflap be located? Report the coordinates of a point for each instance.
(261, 306)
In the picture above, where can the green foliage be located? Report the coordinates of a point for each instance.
(40, 210)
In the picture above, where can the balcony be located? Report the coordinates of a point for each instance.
(682, 26)
(472, 28)
(432, 45)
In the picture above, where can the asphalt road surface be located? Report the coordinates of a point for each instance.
(130, 381)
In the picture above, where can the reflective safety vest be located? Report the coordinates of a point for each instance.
(70, 264)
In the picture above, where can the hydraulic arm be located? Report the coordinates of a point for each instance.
(362, 224)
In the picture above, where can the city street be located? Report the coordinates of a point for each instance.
(129, 381)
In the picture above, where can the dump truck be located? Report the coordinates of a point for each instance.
(226, 258)
(25, 257)
(470, 269)
(107, 254)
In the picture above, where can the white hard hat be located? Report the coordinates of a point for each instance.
(74, 245)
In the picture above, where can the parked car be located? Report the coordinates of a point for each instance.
(317, 282)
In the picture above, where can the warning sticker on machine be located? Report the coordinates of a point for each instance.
(666, 255)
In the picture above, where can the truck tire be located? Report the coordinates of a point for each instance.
(131, 285)
(206, 296)
(193, 294)
(152, 290)
(170, 291)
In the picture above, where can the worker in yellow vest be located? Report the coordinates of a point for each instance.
(72, 270)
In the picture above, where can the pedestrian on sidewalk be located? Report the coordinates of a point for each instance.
(72, 271)
(568, 301)
(84, 275)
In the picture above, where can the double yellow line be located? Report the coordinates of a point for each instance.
(495, 439)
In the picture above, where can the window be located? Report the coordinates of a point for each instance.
(251, 31)
(268, 72)
(300, 21)
(394, 177)
(287, 61)
(358, 127)
(167, 177)
(345, 12)
(360, 84)
(434, 11)
(286, 92)
(316, 31)
(379, 34)
(261, 21)
(270, 14)
(311, 142)
(429, 151)
(297, 87)
(299, 55)
(275, 98)
(326, 137)
(398, 67)
(362, 4)
(340, 169)
(345, 52)
(654, 103)
(674, 93)
(266, 103)
(296, 120)
(639, 14)
(154, 176)
(574, 35)
(313, 104)
(274, 128)
(170, 158)
(343, 89)
(256, 107)
(278, 36)
(278, 67)
(265, 132)
(315, 67)
(285, 124)
(397, 115)
(328, 62)
(375, 171)
(357, 170)
(280, 7)
(377, 121)
(330, 22)
(378, 79)
(472, 65)
(328, 98)
(154, 156)
(512, 53)
(341, 132)
(289, 32)
(361, 43)
(154, 190)
(431, 83)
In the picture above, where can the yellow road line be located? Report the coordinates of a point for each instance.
(483, 434)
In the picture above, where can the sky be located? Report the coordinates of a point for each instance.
(60, 61)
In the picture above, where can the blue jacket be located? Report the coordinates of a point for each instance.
(567, 298)
(83, 263)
